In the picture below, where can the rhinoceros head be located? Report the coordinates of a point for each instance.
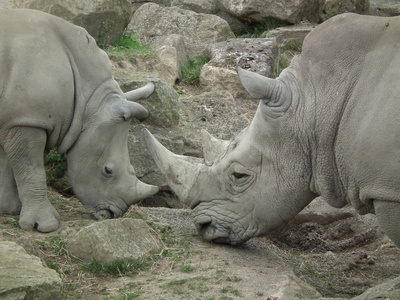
(251, 185)
(98, 163)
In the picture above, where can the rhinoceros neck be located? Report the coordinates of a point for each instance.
(85, 107)
(325, 106)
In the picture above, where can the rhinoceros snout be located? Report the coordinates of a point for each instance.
(103, 214)
(211, 231)
(108, 213)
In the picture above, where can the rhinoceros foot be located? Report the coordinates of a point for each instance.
(42, 217)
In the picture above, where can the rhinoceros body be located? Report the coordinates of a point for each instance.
(329, 125)
(56, 89)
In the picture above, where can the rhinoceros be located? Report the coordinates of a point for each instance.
(329, 125)
(57, 90)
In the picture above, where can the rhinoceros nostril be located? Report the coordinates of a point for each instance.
(103, 214)
(202, 222)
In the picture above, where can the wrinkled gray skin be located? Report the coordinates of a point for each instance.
(329, 126)
(56, 89)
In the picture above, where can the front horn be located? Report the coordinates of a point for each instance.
(141, 93)
(180, 171)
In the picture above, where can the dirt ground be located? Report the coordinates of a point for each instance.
(341, 259)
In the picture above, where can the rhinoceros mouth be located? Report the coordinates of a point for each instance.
(106, 212)
(212, 231)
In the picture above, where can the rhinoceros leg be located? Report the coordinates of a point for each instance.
(9, 200)
(388, 214)
(24, 147)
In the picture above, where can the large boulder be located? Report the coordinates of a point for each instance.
(335, 7)
(258, 55)
(292, 11)
(388, 290)
(384, 8)
(290, 33)
(152, 21)
(162, 104)
(105, 20)
(114, 240)
(171, 54)
(199, 6)
(23, 276)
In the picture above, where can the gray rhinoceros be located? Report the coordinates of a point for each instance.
(329, 125)
(56, 89)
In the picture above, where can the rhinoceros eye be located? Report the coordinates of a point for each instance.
(107, 171)
(240, 175)
(239, 178)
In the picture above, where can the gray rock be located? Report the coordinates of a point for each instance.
(292, 11)
(171, 53)
(31, 247)
(320, 212)
(259, 55)
(199, 6)
(384, 8)
(335, 7)
(152, 21)
(389, 290)
(162, 104)
(105, 20)
(290, 33)
(116, 239)
(23, 276)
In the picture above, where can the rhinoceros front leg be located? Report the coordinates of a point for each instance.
(24, 147)
(9, 200)
(388, 214)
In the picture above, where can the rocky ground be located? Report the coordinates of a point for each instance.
(340, 259)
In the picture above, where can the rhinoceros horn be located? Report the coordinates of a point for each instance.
(213, 148)
(273, 92)
(135, 110)
(180, 171)
(141, 93)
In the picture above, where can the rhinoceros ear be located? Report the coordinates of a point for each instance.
(213, 148)
(273, 92)
(128, 110)
(141, 93)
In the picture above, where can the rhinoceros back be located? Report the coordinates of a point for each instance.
(48, 70)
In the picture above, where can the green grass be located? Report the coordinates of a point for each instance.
(187, 268)
(55, 164)
(128, 48)
(118, 267)
(291, 45)
(191, 70)
(288, 51)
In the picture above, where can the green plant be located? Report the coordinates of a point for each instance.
(52, 265)
(129, 48)
(13, 224)
(291, 45)
(283, 63)
(288, 50)
(234, 278)
(187, 268)
(191, 70)
(118, 267)
(56, 165)
(57, 245)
